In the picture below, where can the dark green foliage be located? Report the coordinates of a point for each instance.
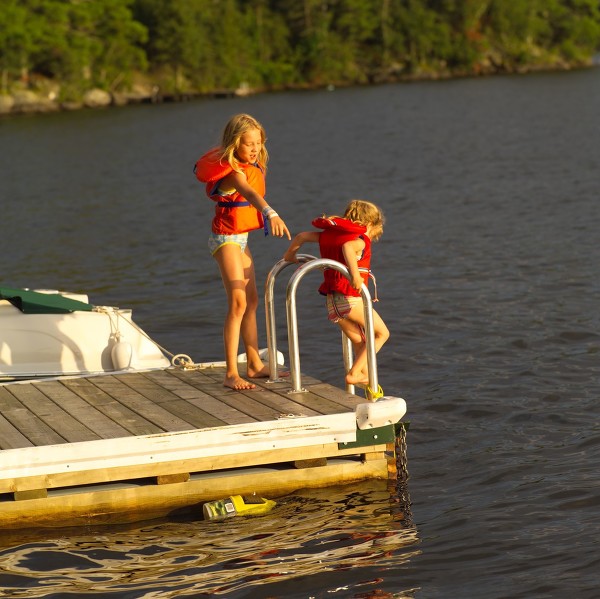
(81, 44)
(202, 45)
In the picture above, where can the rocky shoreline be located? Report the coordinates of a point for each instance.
(46, 98)
(29, 102)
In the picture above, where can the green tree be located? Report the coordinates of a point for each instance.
(422, 39)
(20, 39)
(181, 41)
(203, 45)
(115, 39)
(271, 60)
(356, 45)
(574, 28)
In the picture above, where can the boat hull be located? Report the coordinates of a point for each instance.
(46, 345)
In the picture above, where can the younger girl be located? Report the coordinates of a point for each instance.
(348, 240)
(234, 174)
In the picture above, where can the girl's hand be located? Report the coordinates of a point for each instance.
(290, 256)
(278, 227)
(357, 282)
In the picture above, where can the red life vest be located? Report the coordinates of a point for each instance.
(233, 213)
(336, 232)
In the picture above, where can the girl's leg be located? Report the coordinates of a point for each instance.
(249, 330)
(358, 374)
(234, 265)
(354, 333)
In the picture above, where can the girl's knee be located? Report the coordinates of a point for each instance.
(238, 305)
(382, 334)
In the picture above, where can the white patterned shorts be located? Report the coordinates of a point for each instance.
(216, 242)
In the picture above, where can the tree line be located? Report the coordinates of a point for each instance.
(206, 45)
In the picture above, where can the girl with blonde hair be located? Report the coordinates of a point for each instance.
(234, 174)
(347, 239)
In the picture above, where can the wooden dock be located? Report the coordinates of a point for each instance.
(135, 446)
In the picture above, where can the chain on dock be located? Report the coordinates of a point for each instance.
(401, 454)
(401, 495)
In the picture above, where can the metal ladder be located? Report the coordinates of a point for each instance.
(309, 263)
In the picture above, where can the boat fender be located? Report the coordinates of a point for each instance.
(121, 354)
(264, 355)
(386, 410)
(237, 505)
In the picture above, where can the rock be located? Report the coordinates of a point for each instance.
(71, 105)
(97, 98)
(119, 99)
(28, 101)
(6, 104)
(139, 93)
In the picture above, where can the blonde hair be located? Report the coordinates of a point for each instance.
(366, 213)
(232, 134)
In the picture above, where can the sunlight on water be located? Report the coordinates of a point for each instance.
(338, 530)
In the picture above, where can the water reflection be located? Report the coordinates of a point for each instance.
(337, 534)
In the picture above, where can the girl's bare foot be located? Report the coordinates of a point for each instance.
(263, 373)
(237, 383)
(361, 379)
(258, 373)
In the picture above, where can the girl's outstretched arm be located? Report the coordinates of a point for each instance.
(299, 240)
(241, 185)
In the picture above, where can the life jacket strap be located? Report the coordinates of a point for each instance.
(224, 204)
(372, 277)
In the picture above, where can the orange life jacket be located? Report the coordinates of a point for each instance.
(336, 232)
(233, 213)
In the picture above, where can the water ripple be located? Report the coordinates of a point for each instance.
(307, 535)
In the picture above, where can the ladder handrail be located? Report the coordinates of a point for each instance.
(292, 322)
(270, 312)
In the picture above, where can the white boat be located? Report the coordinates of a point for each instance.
(49, 333)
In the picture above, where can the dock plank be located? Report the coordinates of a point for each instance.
(95, 420)
(147, 387)
(275, 398)
(282, 405)
(52, 414)
(312, 401)
(246, 401)
(196, 416)
(110, 407)
(345, 401)
(200, 376)
(199, 398)
(10, 437)
(136, 402)
(243, 402)
(28, 424)
(161, 395)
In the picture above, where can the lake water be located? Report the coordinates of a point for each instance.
(488, 279)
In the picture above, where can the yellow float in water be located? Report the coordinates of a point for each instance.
(237, 505)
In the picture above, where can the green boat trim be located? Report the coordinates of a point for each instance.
(34, 302)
